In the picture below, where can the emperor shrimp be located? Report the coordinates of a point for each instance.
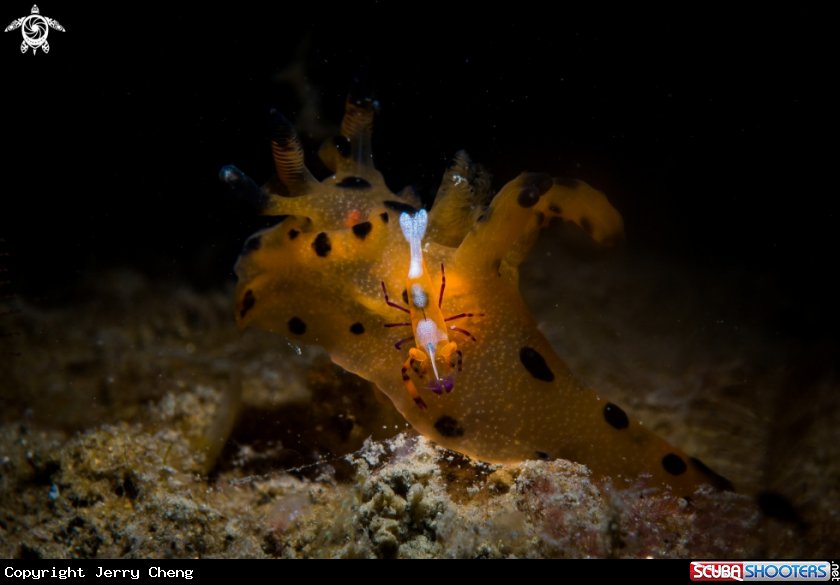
(427, 321)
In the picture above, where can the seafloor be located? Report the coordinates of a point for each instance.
(137, 422)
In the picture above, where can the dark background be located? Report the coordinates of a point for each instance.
(710, 131)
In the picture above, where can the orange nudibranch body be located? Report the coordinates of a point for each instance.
(504, 396)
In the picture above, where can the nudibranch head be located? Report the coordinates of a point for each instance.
(320, 275)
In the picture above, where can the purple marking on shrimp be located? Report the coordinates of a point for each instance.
(438, 386)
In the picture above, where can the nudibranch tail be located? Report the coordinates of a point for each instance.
(577, 202)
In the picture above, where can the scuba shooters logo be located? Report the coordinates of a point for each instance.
(35, 29)
(716, 571)
(761, 571)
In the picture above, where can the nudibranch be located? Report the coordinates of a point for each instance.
(320, 276)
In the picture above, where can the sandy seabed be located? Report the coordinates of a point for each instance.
(137, 422)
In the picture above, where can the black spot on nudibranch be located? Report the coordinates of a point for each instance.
(384, 217)
(615, 416)
(673, 464)
(247, 303)
(293, 233)
(405, 296)
(528, 197)
(535, 364)
(586, 225)
(567, 182)
(542, 455)
(357, 328)
(322, 245)
(400, 206)
(353, 183)
(555, 209)
(716, 480)
(449, 427)
(252, 244)
(297, 326)
(542, 181)
(361, 230)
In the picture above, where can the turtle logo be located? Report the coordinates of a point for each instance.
(35, 28)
